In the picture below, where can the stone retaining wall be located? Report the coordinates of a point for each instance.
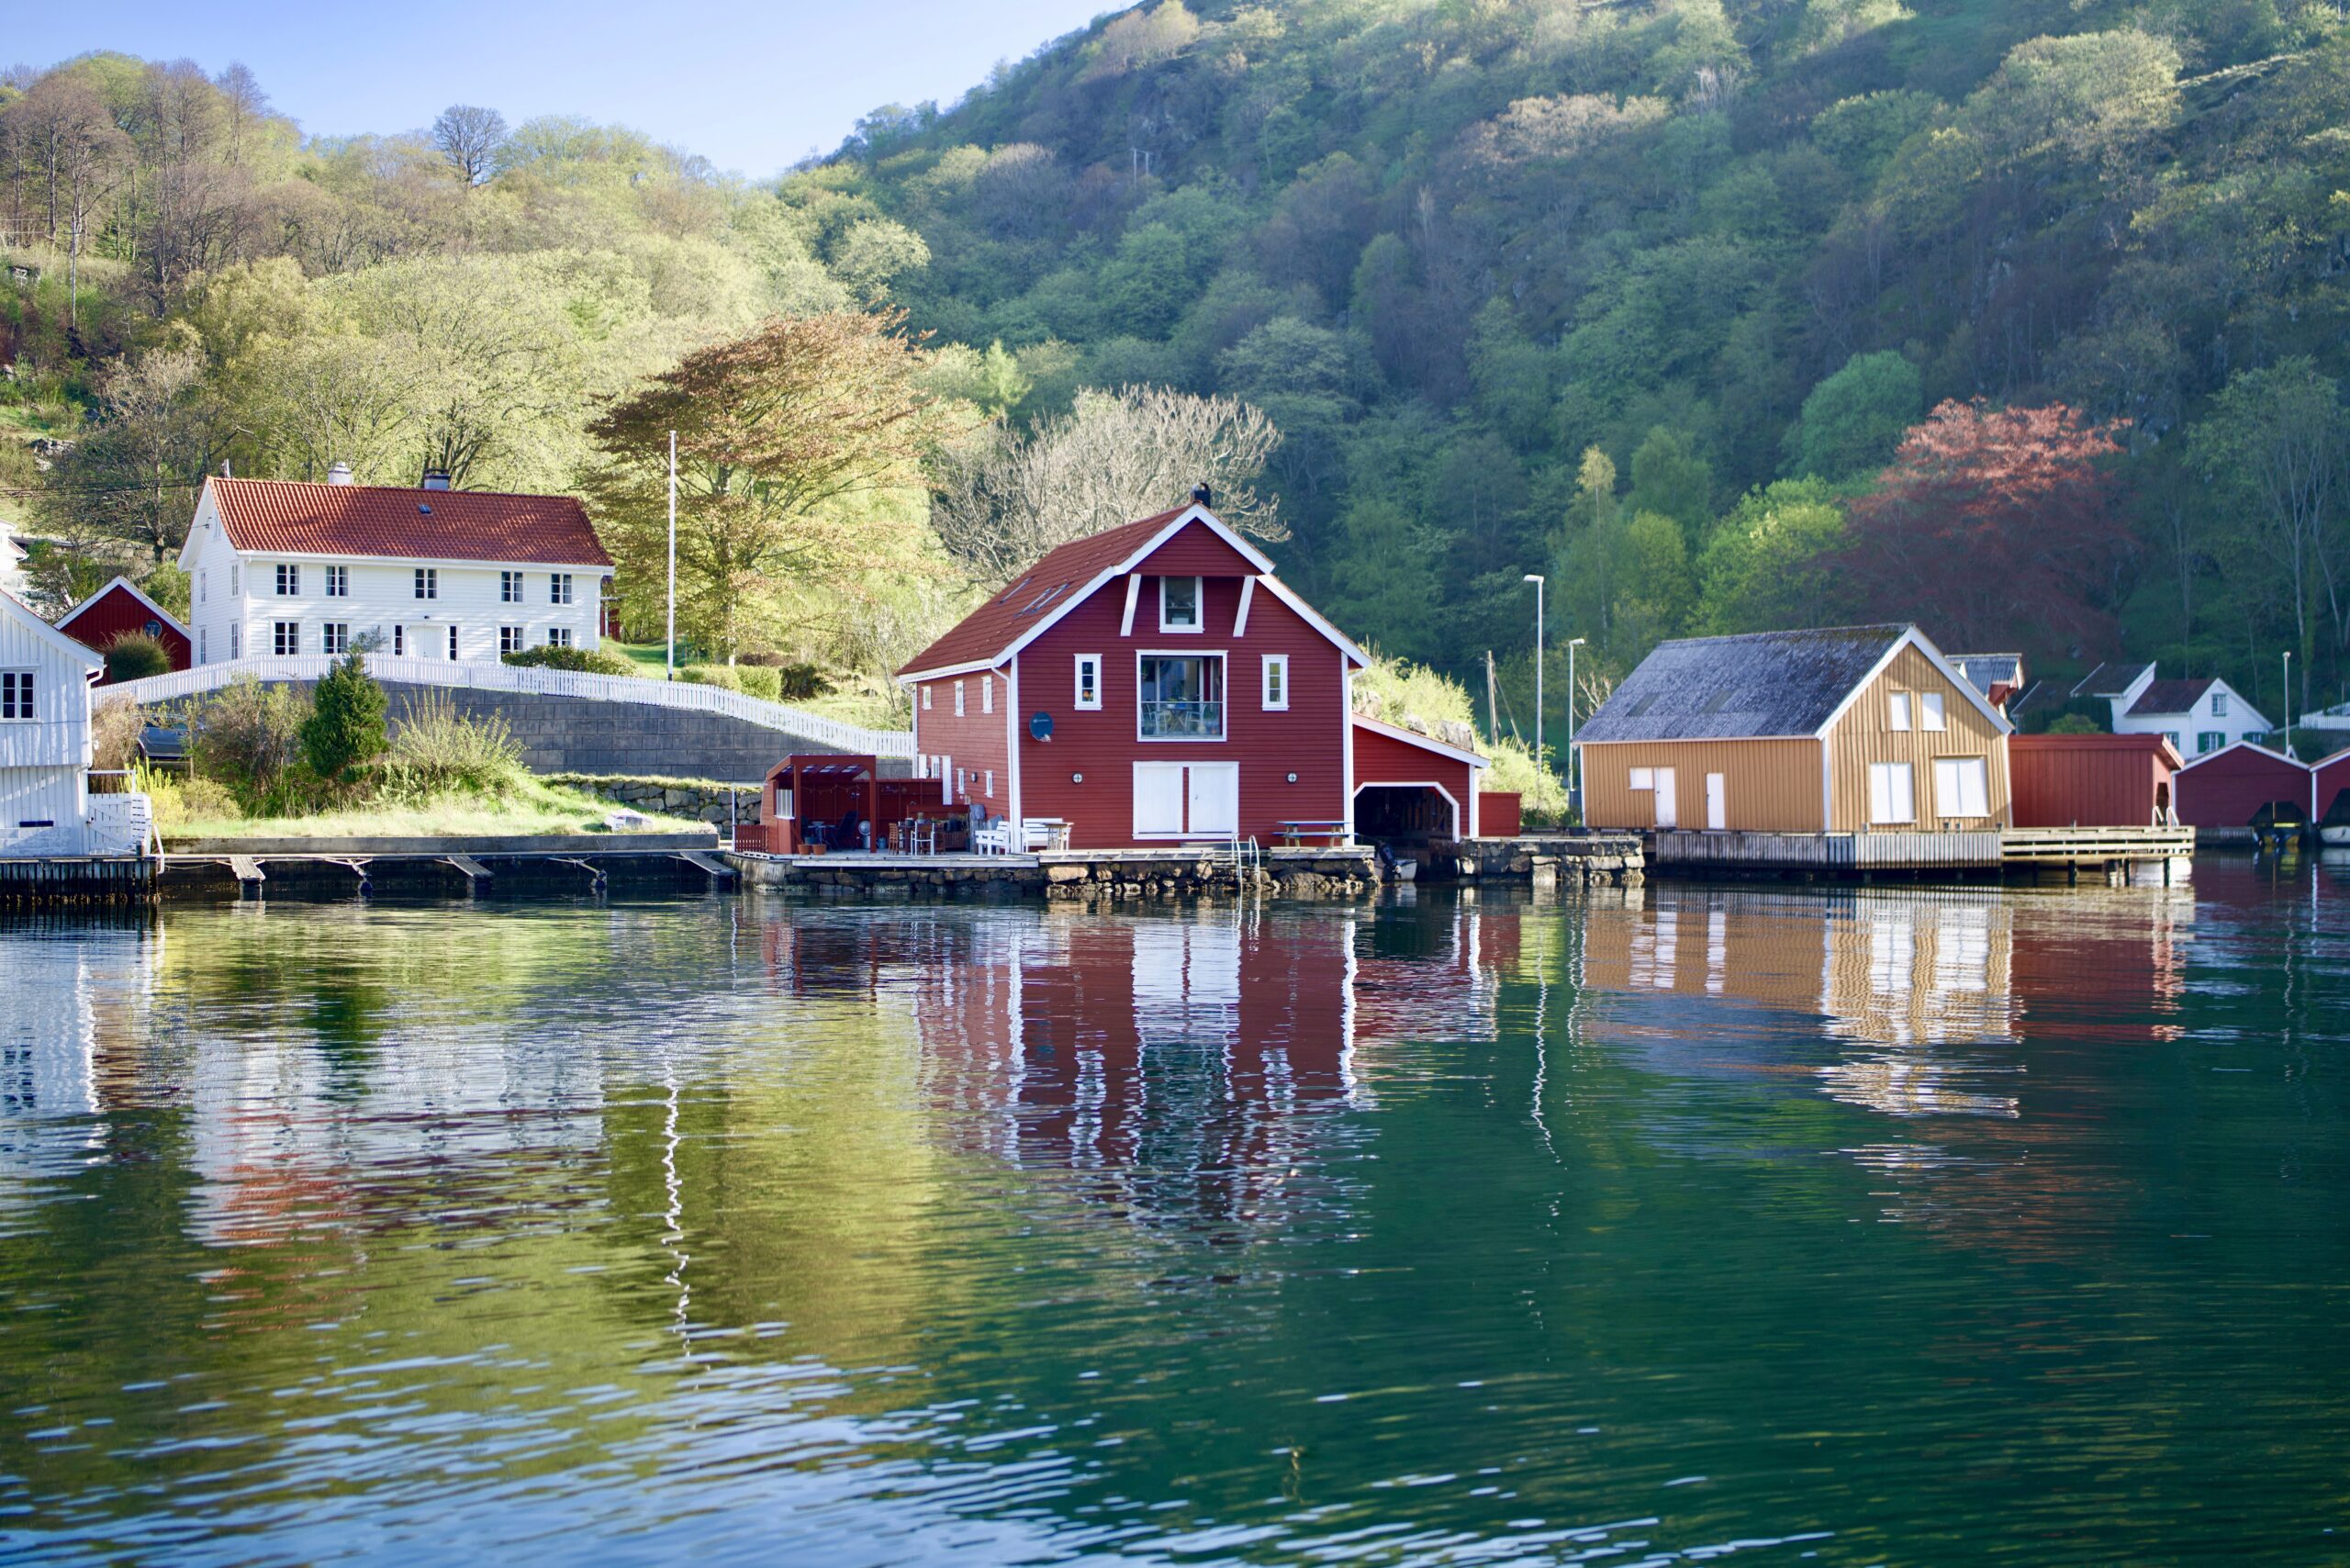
(1109, 879)
(698, 799)
(1595, 860)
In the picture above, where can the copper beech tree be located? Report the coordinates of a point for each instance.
(1996, 527)
(780, 433)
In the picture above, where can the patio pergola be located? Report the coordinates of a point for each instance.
(810, 797)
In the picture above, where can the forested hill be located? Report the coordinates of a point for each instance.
(2023, 318)
(1645, 294)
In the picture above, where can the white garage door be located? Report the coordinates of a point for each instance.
(1187, 799)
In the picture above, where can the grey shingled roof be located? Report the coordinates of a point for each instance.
(1767, 683)
(1983, 671)
(2110, 680)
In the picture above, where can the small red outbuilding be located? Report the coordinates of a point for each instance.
(119, 609)
(2239, 784)
(2330, 802)
(2092, 780)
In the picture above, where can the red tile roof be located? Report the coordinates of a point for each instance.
(284, 516)
(983, 635)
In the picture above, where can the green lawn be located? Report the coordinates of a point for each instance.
(650, 655)
(538, 809)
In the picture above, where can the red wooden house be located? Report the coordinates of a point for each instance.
(2330, 799)
(2242, 786)
(119, 609)
(1157, 683)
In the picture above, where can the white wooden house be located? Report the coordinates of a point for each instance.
(281, 567)
(45, 679)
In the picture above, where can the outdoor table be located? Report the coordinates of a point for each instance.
(1294, 832)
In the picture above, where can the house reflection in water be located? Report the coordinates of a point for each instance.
(1192, 1060)
(1902, 977)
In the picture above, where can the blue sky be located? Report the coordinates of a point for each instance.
(750, 86)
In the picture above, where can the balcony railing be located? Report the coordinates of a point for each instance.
(1182, 721)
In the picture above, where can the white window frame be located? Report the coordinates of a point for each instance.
(559, 587)
(1272, 684)
(236, 578)
(1881, 799)
(926, 697)
(987, 790)
(1896, 713)
(2218, 704)
(2208, 741)
(338, 582)
(1088, 688)
(1199, 607)
(1224, 684)
(1959, 773)
(236, 641)
(19, 697)
(560, 637)
(987, 698)
(512, 640)
(1641, 778)
(289, 580)
(203, 581)
(427, 582)
(203, 645)
(283, 632)
(400, 641)
(335, 637)
(510, 587)
(958, 699)
(1931, 714)
(453, 644)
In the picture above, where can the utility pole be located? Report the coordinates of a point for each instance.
(1572, 689)
(1536, 578)
(2288, 704)
(670, 660)
(1493, 718)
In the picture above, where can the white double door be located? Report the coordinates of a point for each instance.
(1187, 799)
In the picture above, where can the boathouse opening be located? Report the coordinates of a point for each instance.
(1413, 815)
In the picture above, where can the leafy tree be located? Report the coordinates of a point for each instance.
(472, 140)
(776, 432)
(1852, 422)
(2278, 440)
(346, 724)
(1003, 499)
(1670, 479)
(1771, 563)
(1995, 526)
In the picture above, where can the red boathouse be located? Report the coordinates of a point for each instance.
(2093, 780)
(119, 609)
(1156, 684)
(2329, 800)
(2242, 786)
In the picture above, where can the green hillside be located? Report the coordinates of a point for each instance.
(2020, 318)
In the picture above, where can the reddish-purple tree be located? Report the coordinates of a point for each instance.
(1994, 527)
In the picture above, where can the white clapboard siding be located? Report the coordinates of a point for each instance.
(57, 736)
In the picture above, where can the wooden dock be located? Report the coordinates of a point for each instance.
(1958, 856)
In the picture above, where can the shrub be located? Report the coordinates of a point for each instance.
(346, 722)
(2075, 724)
(579, 661)
(246, 737)
(115, 729)
(179, 799)
(134, 656)
(727, 676)
(437, 749)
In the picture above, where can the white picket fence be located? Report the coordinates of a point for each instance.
(463, 675)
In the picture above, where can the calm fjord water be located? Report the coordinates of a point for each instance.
(1851, 1229)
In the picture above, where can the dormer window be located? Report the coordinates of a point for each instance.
(1179, 604)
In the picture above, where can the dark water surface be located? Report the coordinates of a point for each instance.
(1859, 1227)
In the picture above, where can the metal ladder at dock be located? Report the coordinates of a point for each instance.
(1236, 854)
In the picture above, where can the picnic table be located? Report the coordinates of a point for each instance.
(1294, 832)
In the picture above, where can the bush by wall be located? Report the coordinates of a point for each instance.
(579, 661)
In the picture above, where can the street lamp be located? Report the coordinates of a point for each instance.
(1573, 644)
(1536, 578)
(2288, 704)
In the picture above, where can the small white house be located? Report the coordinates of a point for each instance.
(45, 679)
(280, 567)
(2199, 716)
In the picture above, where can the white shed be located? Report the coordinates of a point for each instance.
(45, 679)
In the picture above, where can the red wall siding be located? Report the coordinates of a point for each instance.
(976, 741)
(112, 613)
(1309, 739)
(1383, 760)
(2229, 788)
(2086, 780)
(2332, 780)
